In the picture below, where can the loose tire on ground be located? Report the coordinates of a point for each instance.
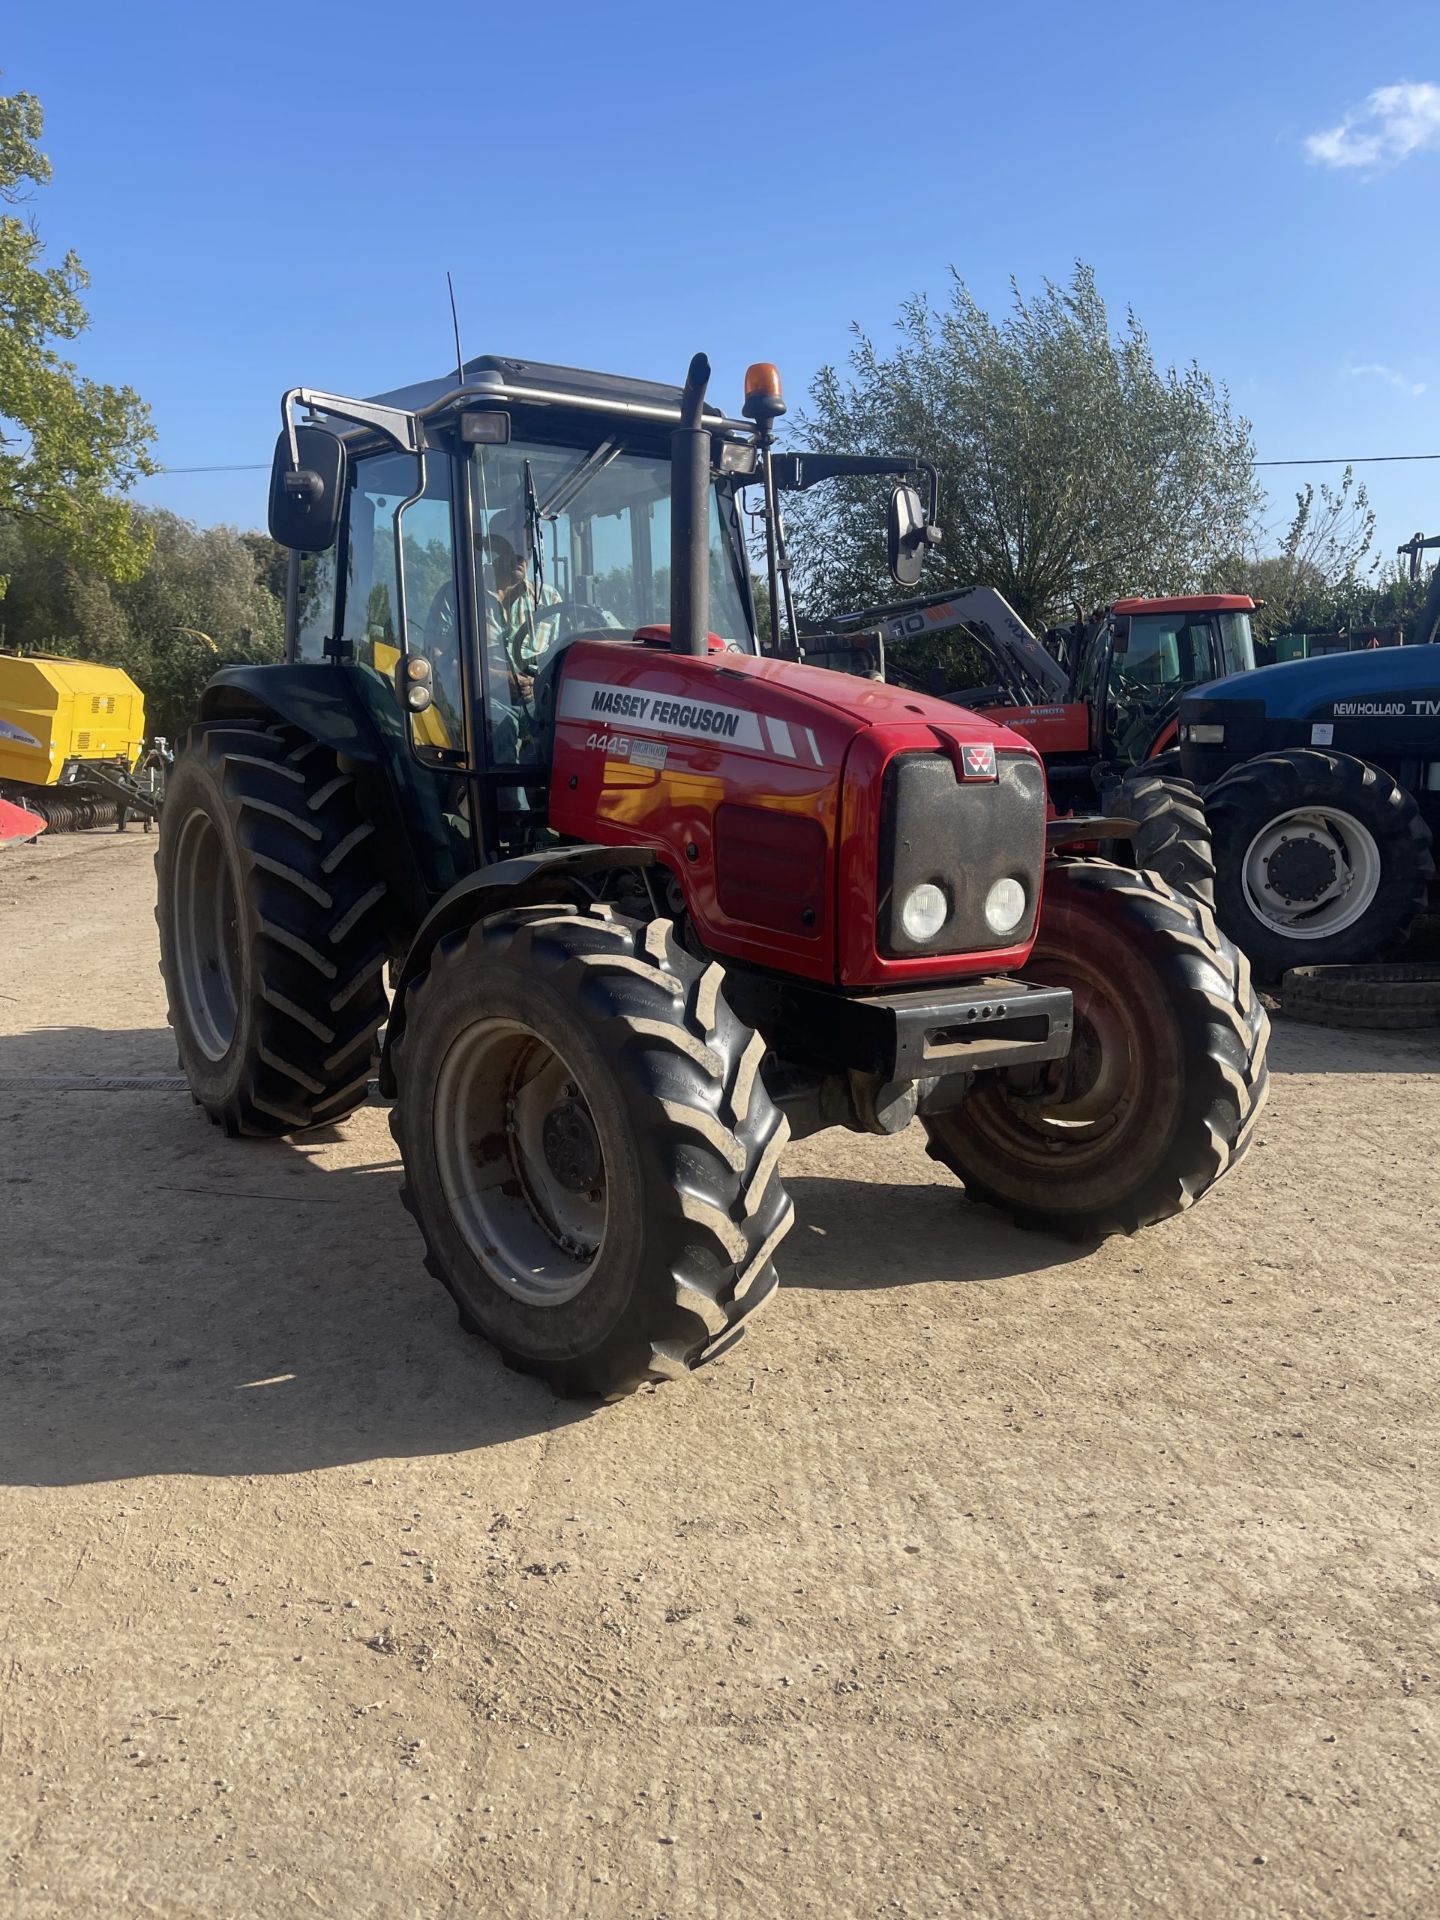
(1321, 859)
(1173, 839)
(269, 914)
(1394, 997)
(1164, 1083)
(590, 1153)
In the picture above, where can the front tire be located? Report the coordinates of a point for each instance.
(1321, 859)
(590, 1153)
(1172, 836)
(269, 912)
(1164, 1082)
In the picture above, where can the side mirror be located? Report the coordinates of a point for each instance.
(906, 536)
(1120, 637)
(306, 500)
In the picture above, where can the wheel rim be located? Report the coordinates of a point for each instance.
(207, 926)
(1077, 1106)
(520, 1161)
(1311, 872)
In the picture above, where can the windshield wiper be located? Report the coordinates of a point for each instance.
(535, 535)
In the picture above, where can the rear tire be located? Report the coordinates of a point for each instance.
(619, 1225)
(1321, 859)
(1163, 1085)
(269, 913)
(1173, 838)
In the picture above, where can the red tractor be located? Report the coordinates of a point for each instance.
(651, 902)
(1099, 700)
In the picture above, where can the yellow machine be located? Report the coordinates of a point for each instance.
(72, 743)
(74, 711)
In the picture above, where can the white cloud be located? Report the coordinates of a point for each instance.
(1390, 376)
(1393, 123)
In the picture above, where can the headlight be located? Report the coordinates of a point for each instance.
(1005, 906)
(1206, 735)
(925, 911)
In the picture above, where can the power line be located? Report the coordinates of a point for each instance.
(1338, 460)
(1358, 460)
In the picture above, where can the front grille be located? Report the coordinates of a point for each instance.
(963, 836)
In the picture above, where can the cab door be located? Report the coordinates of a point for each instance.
(397, 599)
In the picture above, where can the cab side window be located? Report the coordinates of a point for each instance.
(315, 583)
(370, 625)
(431, 626)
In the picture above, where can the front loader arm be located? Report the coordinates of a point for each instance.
(985, 613)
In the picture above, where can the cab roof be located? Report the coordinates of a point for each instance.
(505, 376)
(1189, 603)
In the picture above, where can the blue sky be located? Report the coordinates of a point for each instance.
(271, 195)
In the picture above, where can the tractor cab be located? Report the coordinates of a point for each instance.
(483, 522)
(1133, 663)
(474, 527)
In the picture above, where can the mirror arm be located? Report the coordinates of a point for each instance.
(287, 426)
(932, 515)
(400, 428)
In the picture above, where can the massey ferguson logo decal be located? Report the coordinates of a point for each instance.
(980, 762)
(658, 713)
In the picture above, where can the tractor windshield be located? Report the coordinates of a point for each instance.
(570, 540)
(1237, 643)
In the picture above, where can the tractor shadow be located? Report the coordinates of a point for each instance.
(864, 1235)
(173, 1302)
(83, 1052)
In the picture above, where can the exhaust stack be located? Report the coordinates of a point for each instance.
(690, 455)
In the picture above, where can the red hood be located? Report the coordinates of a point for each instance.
(870, 703)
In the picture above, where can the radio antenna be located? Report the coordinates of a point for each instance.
(455, 322)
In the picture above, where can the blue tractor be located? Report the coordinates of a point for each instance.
(1322, 789)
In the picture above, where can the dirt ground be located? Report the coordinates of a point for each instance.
(984, 1577)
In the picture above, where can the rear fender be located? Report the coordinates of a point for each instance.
(314, 696)
(532, 877)
(319, 699)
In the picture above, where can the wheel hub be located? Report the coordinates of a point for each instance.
(1311, 872)
(572, 1147)
(1080, 1069)
(520, 1161)
(1088, 1093)
(1302, 868)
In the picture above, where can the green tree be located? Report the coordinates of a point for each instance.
(203, 601)
(272, 562)
(68, 445)
(1073, 469)
(1317, 581)
(206, 578)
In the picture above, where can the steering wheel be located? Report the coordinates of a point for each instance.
(584, 615)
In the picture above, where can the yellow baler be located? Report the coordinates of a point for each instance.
(71, 735)
(75, 710)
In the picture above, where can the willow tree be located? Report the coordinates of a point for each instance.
(1073, 468)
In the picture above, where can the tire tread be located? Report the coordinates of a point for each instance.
(667, 1031)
